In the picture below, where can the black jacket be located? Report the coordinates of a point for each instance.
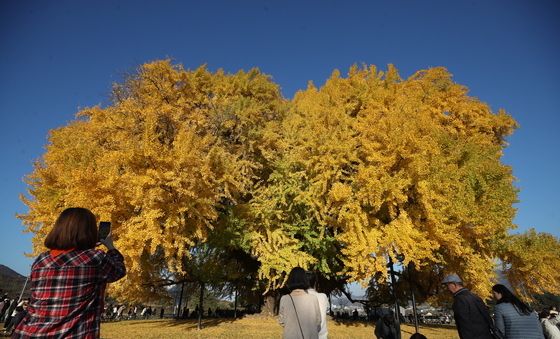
(471, 316)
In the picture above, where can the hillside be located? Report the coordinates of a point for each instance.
(11, 282)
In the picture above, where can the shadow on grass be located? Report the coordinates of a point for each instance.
(351, 323)
(188, 324)
(407, 328)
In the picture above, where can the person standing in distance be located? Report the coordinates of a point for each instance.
(323, 304)
(68, 282)
(471, 314)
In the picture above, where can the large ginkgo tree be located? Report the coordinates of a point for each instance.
(164, 162)
(341, 180)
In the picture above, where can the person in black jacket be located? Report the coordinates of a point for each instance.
(471, 314)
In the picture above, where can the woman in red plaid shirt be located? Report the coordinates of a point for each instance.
(68, 282)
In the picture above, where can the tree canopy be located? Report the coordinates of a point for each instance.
(174, 149)
(338, 180)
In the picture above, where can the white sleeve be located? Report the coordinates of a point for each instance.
(325, 303)
(318, 316)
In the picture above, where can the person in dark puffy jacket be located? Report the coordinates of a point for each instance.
(471, 314)
(385, 327)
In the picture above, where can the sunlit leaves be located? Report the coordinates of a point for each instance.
(530, 263)
(174, 149)
(338, 180)
(390, 166)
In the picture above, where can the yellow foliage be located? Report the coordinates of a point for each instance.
(530, 262)
(278, 254)
(391, 166)
(341, 179)
(159, 162)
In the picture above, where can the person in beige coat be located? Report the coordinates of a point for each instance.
(299, 312)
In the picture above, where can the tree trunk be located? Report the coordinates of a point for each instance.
(235, 304)
(270, 307)
(180, 301)
(201, 305)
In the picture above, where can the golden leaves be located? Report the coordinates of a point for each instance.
(173, 148)
(530, 262)
(278, 254)
(339, 179)
(397, 166)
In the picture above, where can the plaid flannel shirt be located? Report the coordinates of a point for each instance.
(67, 293)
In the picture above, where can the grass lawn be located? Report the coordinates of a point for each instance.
(248, 327)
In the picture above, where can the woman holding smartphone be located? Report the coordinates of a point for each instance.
(68, 281)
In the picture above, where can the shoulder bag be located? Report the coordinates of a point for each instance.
(301, 330)
(494, 331)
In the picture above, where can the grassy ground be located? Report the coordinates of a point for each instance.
(248, 327)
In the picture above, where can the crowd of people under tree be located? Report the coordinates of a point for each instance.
(69, 302)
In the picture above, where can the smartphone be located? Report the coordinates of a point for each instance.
(104, 230)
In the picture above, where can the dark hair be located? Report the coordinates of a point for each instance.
(297, 279)
(418, 336)
(75, 228)
(544, 314)
(508, 297)
(312, 277)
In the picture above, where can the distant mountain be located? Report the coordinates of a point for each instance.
(12, 282)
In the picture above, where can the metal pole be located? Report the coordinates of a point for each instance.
(393, 289)
(414, 310)
(23, 289)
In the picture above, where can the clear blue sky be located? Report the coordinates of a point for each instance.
(58, 56)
